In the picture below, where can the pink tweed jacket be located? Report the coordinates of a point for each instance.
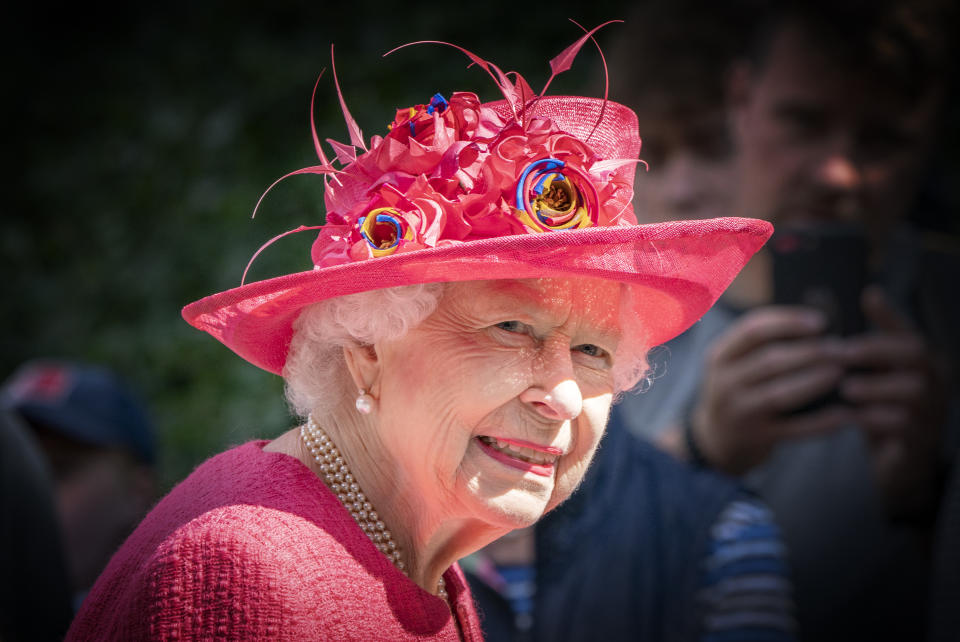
(254, 546)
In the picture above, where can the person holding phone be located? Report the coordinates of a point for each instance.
(833, 115)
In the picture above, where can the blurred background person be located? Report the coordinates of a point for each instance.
(35, 600)
(834, 112)
(98, 442)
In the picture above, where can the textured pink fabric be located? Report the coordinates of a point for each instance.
(253, 546)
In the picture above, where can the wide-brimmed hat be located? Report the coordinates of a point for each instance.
(457, 190)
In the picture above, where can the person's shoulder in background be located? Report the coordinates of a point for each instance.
(35, 591)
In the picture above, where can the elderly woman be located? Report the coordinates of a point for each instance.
(480, 294)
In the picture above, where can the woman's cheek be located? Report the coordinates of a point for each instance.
(596, 411)
(569, 476)
(500, 373)
(589, 430)
(430, 365)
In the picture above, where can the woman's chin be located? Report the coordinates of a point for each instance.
(506, 496)
(517, 508)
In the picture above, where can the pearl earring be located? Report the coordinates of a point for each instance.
(364, 403)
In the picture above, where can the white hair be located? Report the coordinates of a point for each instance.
(630, 365)
(315, 371)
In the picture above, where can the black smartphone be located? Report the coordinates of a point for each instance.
(823, 266)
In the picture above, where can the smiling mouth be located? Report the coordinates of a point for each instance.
(515, 455)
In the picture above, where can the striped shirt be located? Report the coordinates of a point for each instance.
(746, 591)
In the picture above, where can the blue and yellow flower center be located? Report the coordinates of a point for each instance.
(549, 198)
(383, 229)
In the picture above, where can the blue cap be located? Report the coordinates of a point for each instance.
(88, 404)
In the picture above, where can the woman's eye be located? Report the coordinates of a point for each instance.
(511, 326)
(591, 350)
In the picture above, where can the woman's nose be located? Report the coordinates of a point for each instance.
(559, 402)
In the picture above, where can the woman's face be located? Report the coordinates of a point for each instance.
(492, 408)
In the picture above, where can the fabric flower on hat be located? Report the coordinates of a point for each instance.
(450, 171)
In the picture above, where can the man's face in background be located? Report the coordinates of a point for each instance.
(820, 140)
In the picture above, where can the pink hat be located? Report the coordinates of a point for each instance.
(456, 190)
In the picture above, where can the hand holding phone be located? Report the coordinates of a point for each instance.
(769, 362)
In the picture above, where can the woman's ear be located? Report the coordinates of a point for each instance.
(363, 363)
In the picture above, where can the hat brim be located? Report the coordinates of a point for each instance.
(677, 268)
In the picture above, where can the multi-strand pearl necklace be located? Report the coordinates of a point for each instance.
(341, 481)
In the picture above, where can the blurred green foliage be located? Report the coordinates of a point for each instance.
(139, 139)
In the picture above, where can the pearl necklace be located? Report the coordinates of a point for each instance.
(341, 481)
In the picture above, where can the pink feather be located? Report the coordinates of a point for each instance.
(316, 169)
(345, 153)
(614, 164)
(503, 83)
(564, 59)
(313, 122)
(522, 88)
(356, 136)
(313, 128)
(606, 76)
(276, 238)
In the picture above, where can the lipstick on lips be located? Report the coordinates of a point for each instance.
(522, 455)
